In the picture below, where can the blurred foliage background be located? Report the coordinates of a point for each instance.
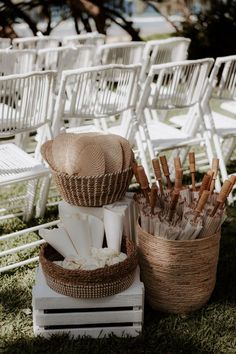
(211, 24)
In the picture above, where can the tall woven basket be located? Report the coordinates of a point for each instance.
(179, 276)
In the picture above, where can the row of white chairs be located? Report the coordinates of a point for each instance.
(88, 97)
(42, 42)
(75, 56)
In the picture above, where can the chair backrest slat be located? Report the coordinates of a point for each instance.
(25, 102)
(164, 51)
(121, 53)
(97, 92)
(175, 85)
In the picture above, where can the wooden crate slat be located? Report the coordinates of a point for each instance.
(44, 319)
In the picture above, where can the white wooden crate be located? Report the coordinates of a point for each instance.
(120, 314)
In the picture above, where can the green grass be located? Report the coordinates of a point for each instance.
(209, 330)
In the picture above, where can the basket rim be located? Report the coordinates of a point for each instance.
(126, 264)
(76, 176)
(179, 241)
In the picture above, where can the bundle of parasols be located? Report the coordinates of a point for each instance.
(178, 212)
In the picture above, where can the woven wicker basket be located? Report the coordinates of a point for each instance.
(89, 191)
(179, 276)
(96, 283)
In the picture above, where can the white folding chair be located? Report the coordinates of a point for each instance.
(93, 38)
(169, 87)
(221, 89)
(27, 107)
(5, 43)
(95, 94)
(16, 61)
(163, 51)
(65, 58)
(35, 42)
(120, 53)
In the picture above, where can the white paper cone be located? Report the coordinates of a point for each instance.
(59, 240)
(96, 228)
(67, 209)
(79, 233)
(113, 224)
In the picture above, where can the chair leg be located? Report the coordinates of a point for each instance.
(229, 147)
(30, 199)
(43, 197)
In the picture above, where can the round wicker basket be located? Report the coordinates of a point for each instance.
(96, 283)
(89, 191)
(179, 276)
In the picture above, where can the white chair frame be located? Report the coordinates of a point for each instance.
(175, 86)
(163, 51)
(94, 94)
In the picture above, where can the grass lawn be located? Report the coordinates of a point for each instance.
(209, 330)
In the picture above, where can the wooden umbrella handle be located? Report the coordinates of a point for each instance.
(157, 171)
(178, 179)
(192, 168)
(153, 197)
(215, 168)
(135, 171)
(143, 182)
(173, 203)
(222, 196)
(205, 184)
(165, 170)
(177, 163)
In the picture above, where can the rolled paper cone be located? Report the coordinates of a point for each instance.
(113, 224)
(205, 184)
(165, 170)
(177, 163)
(96, 228)
(79, 233)
(65, 208)
(157, 171)
(126, 208)
(59, 240)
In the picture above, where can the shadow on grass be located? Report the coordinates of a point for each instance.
(168, 343)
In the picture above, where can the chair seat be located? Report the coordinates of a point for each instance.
(16, 165)
(224, 125)
(164, 136)
(229, 106)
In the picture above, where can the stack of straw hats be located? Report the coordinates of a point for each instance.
(90, 169)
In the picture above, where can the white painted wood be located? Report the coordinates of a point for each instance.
(45, 298)
(52, 312)
(78, 318)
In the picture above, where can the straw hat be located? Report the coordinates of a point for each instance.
(78, 154)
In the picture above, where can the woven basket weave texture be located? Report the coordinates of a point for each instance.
(96, 283)
(89, 191)
(179, 276)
